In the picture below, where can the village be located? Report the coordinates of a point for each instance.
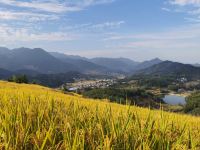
(92, 84)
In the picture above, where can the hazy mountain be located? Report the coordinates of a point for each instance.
(4, 51)
(171, 68)
(102, 64)
(64, 56)
(26, 72)
(196, 65)
(83, 64)
(37, 61)
(4, 74)
(147, 64)
(33, 59)
(116, 64)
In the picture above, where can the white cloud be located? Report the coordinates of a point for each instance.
(29, 14)
(176, 34)
(185, 2)
(192, 20)
(108, 25)
(195, 12)
(49, 6)
(186, 37)
(55, 6)
(26, 16)
(166, 9)
(191, 8)
(161, 45)
(98, 53)
(11, 34)
(95, 27)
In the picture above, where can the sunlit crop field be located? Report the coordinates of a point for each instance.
(35, 117)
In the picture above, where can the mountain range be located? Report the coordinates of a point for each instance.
(36, 60)
(169, 68)
(39, 61)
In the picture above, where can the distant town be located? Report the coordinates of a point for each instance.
(84, 84)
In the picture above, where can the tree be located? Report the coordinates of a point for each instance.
(193, 104)
(18, 79)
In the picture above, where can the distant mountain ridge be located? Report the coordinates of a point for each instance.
(47, 66)
(116, 64)
(39, 61)
(147, 64)
(196, 65)
(83, 64)
(32, 59)
(103, 64)
(168, 68)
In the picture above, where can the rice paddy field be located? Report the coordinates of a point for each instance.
(39, 118)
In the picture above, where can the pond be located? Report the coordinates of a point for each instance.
(174, 99)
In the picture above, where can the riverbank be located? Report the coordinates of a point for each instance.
(160, 92)
(185, 94)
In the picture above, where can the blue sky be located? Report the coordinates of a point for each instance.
(137, 29)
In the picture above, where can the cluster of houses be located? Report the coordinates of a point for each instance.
(84, 84)
(182, 80)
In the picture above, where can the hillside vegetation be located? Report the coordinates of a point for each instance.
(137, 97)
(169, 68)
(35, 117)
(193, 104)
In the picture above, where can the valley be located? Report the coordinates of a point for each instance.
(119, 80)
(94, 97)
(99, 75)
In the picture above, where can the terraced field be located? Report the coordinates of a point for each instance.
(35, 117)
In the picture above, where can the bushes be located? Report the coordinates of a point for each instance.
(156, 81)
(193, 104)
(134, 97)
(18, 79)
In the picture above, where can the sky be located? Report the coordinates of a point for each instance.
(136, 29)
